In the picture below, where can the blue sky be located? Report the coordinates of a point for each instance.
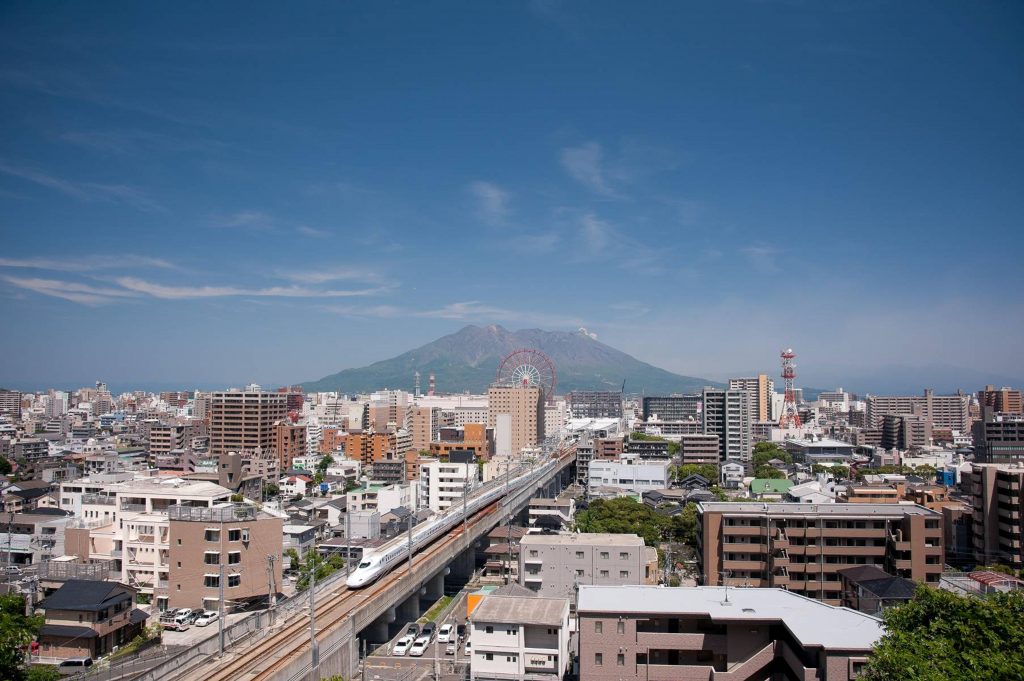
(204, 194)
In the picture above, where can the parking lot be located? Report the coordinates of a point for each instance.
(384, 659)
(195, 634)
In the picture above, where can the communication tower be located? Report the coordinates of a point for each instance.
(790, 416)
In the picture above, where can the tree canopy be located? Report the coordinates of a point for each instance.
(16, 632)
(626, 516)
(708, 470)
(941, 636)
(766, 451)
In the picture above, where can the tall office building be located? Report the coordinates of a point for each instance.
(944, 411)
(525, 406)
(673, 407)
(727, 415)
(10, 403)
(595, 404)
(289, 442)
(245, 421)
(760, 389)
(995, 493)
(1006, 400)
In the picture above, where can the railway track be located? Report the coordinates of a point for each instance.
(265, 658)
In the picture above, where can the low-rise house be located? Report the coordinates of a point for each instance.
(870, 589)
(88, 619)
(769, 489)
(518, 637)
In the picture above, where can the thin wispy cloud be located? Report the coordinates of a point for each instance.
(762, 258)
(585, 164)
(491, 200)
(596, 234)
(166, 292)
(89, 263)
(329, 275)
(85, 191)
(467, 311)
(306, 230)
(84, 294)
(261, 221)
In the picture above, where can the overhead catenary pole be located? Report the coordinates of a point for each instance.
(314, 651)
(409, 520)
(348, 541)
(220, 613)
(271, 591)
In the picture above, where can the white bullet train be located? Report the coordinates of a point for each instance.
(380, 561)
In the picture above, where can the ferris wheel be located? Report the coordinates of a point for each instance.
(528, 368)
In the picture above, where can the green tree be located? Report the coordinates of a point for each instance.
(684, 525)
(5, 466)
(16, 632)
(637, 435)
(769, 472)
(674, 448)
(293, 556)
(708, 470)
(324, 567)
(623, 516)
(940, 636)
(271, 490)
(766, 451)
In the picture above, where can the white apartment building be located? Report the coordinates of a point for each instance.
(638, 477)
(443, 484)
(380, 498)
(518, 637)
(127, 522)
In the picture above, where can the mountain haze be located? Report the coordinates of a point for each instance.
(468, 361)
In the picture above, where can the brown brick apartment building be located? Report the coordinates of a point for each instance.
(802, 547)
(995, 493)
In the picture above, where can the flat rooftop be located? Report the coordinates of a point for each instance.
(811, 622)
(551, 612)
(839, 510)
(584, 539)
(825, 442)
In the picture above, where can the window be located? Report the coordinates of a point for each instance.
(234, 580)
(620, 660)
(211, 558)
(579, 555)
(489, 656)
(598, 659)
(604, 555)
(179, 563)
(211, 580)
(510, 658)
(579, 573)
(604, 573)
(623, 573)
(179, 542)
(552, 632)
(234, 557)
(623, 555)
(598, 627)
(235, 535)
(488, 629)
(533, 554)
(620, 628)
(211, 535)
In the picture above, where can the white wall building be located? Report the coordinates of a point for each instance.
(444, 484)
(520, 637)
(637, 478)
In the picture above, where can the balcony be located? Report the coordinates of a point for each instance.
(743, 564)
(682, 641)
(741, 531)
(673, 672)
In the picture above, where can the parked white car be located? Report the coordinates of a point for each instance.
(402, 646)
(419, 647)
(208, 617)
(444, 635)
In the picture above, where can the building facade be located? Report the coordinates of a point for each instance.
(998, 503)
(727, 415)
(245, 421)
(554, 565)
(524, 408)
(760, 390)
(801, 547)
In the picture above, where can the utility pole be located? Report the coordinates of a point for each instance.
(508, 565)
(314, 651)
(271, 591)
(410, 542)
(348, 541)
(465, 496)
(220, 614)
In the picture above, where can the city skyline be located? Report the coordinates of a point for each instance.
(189, 199)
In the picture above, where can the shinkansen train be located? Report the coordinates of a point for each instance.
(379, 562)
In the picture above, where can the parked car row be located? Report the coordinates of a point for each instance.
(416, 639)
(182, 618)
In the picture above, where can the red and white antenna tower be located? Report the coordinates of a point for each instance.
(790, 416)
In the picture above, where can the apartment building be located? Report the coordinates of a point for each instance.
(289, 443)
(998, 503)
(699, 448)
(245, 421)
(391, 449)
(127, 523)
(88, 619)
(234, 542)
(628, 477)
(651, 633)
(906, 431)
(10, 404)
(517, 637)
(555, 515)
(524, 422)
(381, 498)
(944, 411)
(801, 547)
(1005, 400)
(443, 484)
(727, 415)
(472, 437)
(553, 565)
(760, 390)
(424, 423)
(998, 437)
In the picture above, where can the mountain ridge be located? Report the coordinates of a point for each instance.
(468, 359)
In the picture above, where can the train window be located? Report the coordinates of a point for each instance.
(365, 564)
